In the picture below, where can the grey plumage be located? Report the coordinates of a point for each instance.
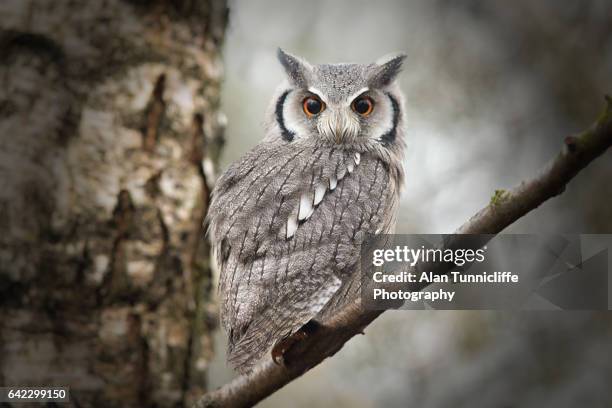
(286, 219)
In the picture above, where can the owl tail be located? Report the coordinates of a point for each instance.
(258, 339)
(276, 323)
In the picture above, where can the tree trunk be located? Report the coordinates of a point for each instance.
(109, 133)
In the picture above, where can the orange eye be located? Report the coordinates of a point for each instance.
(312, 106)
(363, 105)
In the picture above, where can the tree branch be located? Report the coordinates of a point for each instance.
(505, 208)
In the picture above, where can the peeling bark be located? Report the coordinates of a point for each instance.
(105, 282)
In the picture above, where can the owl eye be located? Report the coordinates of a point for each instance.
(312, 106)
(363, 105)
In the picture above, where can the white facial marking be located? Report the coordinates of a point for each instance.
(357, 158)
(356, 94)
(319, 193)
(292, 118)
(350, 167)
(318, 93)
(386, 111)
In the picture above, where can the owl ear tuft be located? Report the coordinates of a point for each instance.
(296, 68)
(386, 69)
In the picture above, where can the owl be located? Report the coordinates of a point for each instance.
(287, 219)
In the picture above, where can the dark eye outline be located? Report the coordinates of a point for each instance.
(366, 98)
(305, 105)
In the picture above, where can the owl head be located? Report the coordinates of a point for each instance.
(357, 105)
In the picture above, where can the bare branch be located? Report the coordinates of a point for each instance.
(505, 208)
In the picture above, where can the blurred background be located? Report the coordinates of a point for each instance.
(492, 88)
(116, 115)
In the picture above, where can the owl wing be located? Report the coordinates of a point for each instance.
(286, 222)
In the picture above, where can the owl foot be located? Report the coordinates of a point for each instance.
(280, 349)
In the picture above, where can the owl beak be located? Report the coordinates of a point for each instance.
(346, 127)
(338, 132)
(339, 127)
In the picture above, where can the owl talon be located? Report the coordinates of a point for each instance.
(278, 352)
(283, 346)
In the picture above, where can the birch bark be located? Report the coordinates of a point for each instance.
(109, 133)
